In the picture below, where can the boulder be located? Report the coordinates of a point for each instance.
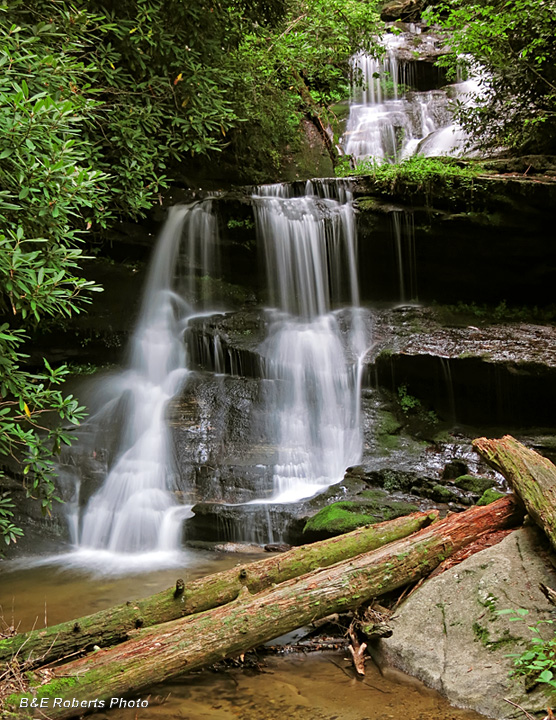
(406, 10)
(449, 633)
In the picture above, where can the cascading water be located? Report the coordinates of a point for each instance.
(403, 233)
(314, 367)
(389, 122)
(135, 509)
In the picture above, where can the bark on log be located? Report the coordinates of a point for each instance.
(531, 476)
(114, 625)
(191, 643)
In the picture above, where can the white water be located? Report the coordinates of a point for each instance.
(314, 367)
(135, 510)
(388, 122)
(403, 234)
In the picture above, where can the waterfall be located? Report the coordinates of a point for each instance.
(314, 348)
(135, 509)
(313, 358)
(389, 122)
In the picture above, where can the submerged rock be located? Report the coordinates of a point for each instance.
(449, 633)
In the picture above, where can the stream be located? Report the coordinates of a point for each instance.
(313, 686)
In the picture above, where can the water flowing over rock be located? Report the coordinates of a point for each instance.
(135, 509)
(314, 370)
(390, 118)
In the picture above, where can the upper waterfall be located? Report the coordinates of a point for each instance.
(390, 120)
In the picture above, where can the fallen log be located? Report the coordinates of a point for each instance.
(531, 476)
(114, 625)
(191, 643)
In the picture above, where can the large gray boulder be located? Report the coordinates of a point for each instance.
(449, 635)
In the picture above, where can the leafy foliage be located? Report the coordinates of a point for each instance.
(49, 192)
(300, 67)
(500, 313)
(174, 80)
(538, 661)
(418, 169)
(514, 43)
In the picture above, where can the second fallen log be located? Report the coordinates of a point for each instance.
(114, 625)
(531, 476)
(180, 646)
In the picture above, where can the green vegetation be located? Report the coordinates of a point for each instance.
(240, 223)
(474, 484)
(537, 663)
(344, 516)
(515, 43)
(412, 406)
(489, 496)
(483, 636)
(50, 195)
(500, 313)
(408, 403)
(425, 173)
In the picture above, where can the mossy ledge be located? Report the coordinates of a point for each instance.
(345, 516)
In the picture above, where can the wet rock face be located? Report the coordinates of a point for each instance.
(254, 523)
(449, 633)
(228, 343)
(500, 252)
(472, 374)
(493, 374)
(221, 453)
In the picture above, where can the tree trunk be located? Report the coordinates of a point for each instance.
(314, 115)
(191, 643)
(531, 476)
(112, 626)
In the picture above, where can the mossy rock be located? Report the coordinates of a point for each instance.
(344, 516)
(438, 493)
(474, 484)
(489, 496)
(387, 424)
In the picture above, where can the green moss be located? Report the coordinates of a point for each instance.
(370, 204)
(56, 688)
(481, 633)
(490, 603)
(387, 430)
(374, 494)
(389, 442)
(474, 484)
(388, 424)
(440, 493)
(344, 516)
(490, 496)
(339, 518)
